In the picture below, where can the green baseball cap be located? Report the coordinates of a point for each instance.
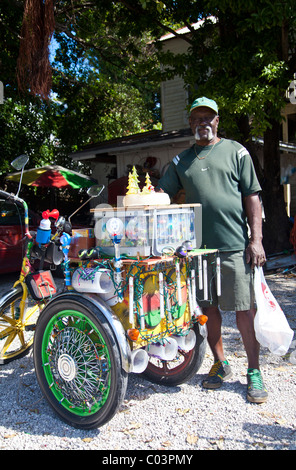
(204, 102)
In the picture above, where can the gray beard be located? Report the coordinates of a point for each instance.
(209, 137)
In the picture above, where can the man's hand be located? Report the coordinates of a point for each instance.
(255, 253)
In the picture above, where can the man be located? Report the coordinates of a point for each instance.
(219, 174)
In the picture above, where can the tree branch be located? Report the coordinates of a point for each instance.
(140, 11)
(90, 44)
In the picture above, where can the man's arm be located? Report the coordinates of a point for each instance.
(170, 183)
(255, 252)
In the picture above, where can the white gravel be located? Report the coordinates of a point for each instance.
(157, 418)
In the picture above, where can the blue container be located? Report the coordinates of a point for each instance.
(43, 236)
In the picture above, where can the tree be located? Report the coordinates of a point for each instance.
(133, 182)
(93, 97)
(96, 94)
(148, 188)
(100, 72)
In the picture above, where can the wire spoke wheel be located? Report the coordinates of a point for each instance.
(16, 318)
(76, 362)
(77, 365)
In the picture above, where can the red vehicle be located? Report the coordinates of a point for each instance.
(12, 234)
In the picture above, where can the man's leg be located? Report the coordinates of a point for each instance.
(257, 392)
(245, 324)
(214, 324)
(220, 370)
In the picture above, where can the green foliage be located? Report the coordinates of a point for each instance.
(98, 88)
(242, 60)
(26, 127)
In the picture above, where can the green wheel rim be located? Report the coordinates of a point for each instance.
(76, 362)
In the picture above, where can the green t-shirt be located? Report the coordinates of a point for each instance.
(218, 177)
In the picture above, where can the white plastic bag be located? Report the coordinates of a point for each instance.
(271, 326)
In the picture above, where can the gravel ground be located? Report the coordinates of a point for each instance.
(156, 418)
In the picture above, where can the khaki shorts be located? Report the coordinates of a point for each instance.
(237, 283)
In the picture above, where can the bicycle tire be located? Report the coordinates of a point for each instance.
(77, 363)
(15, 340)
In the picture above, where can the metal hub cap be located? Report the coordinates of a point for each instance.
(76, 362)
(67, 367)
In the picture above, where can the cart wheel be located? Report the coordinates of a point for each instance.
(77, 363)
(16, 329)
(180, 369)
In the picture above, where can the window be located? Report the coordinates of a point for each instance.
(11, 214)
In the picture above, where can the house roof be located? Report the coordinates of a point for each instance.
(186, 30)
(132, 142)
(289, 147)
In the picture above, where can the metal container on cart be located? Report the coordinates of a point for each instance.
(150, 230)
